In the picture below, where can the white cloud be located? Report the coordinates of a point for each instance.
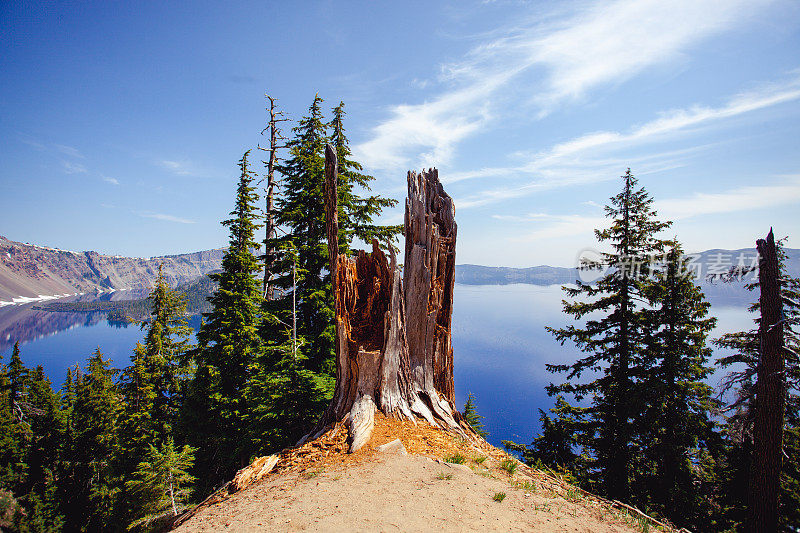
(555, 225)
(585, 159)
(112, 181)
(608, 42)
(73, 168)
(168, 218)
(740, 199)
(181, 168)
(747, 198)
(69, 151)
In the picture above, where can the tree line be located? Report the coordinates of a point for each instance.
(130, 449)
(635, 419)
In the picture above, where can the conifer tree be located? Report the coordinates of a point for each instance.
(676, 426)
(356, 213)
(228, 344)
(166, 347)
(472, 417)
(614, 341)
(94, 446)
(302, 212)
(163, 481)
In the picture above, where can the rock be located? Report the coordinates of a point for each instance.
(396, 446)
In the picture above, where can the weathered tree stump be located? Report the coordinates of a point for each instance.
(393, 349)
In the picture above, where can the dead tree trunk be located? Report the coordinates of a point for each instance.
(393, 348)
(270, 226)
(770, 395)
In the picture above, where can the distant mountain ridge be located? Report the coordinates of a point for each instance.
(707, 262)
(30, 273)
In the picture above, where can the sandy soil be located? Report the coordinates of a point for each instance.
(391, 492)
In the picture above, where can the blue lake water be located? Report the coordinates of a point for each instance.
(499, 342)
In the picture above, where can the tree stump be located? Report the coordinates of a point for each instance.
(393, 347)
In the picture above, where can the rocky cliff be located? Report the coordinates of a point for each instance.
(29, 272)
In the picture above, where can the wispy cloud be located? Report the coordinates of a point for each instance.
(781, 193)
(589, 158)
(554, 225)
(112, 181)
(746, 198)
(73, 168)
(608, 42)
(181, 168)
(167, 218)
(69, 151)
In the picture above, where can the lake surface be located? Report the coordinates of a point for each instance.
(499, 342)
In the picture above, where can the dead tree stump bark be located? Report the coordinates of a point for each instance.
(770, 395)
(393, 343)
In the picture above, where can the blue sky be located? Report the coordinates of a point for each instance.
(122, 122)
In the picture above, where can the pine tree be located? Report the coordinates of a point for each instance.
(228, 345)
(472, 417)
(302, 212)
(676, 425)
(163, 481)
(165, 353)
(43, 455)
(90, 499)
(357, 213)
(613, 343)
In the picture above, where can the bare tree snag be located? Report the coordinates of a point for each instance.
(770, 395)
(270, 226)
(393, 348)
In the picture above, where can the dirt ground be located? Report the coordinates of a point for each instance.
(392, 492)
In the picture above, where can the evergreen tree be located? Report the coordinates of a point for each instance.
(228, 344)
(91, 496)
(555, 446)
(676, 426)
(302, 212)
(356, 213)
(165, 353)
(301, 209)
(43, 455)
(614, 342)
(472, 417)
(163, 481)
(18, 376)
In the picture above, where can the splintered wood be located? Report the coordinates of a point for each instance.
(393, 342)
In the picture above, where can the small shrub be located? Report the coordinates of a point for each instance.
(442, 475)
(499, 496)
(457, 458)
(480, 459)
(525, 485)
(509, 465)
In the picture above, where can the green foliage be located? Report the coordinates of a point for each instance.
(499, 496)
(456, 458)
(442, 476)
(613, 342)
(228, 343)
(163, 481)
(509, 465)
(472, 417)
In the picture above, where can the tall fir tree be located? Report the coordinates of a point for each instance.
(228, 343)
(302, 213)
(676, 428)
(613, 342)
(91, 491)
